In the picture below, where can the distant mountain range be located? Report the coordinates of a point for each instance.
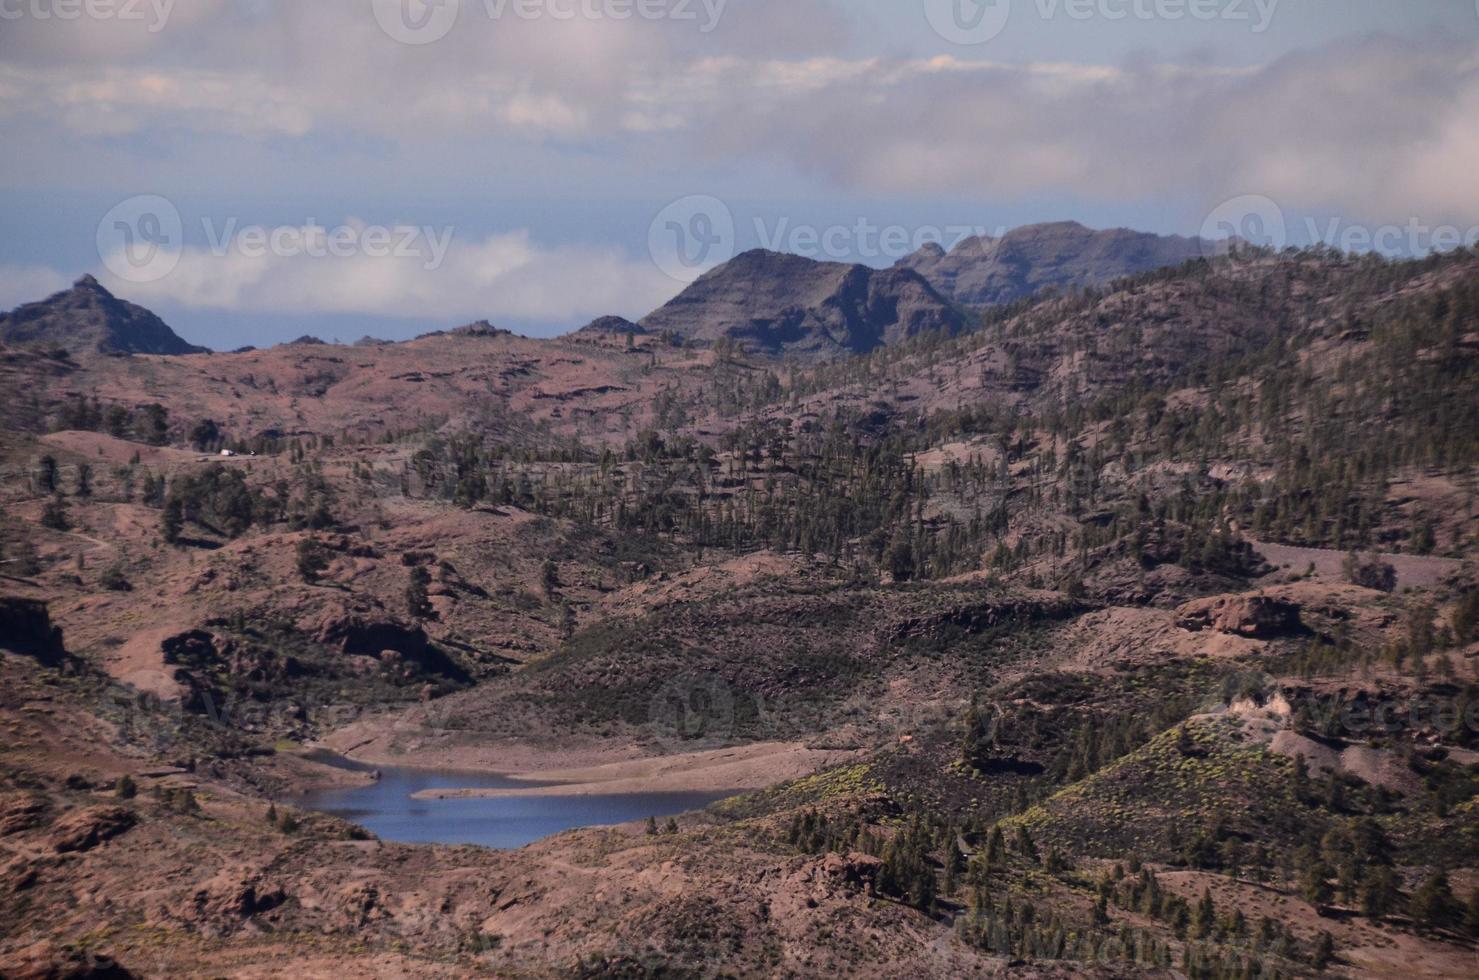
(87, 319)
(768, 302)
(981, 272)
(786, 304)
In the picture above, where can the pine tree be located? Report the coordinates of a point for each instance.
(1379, 893)
(1433, 906)
(1204, 923)
(54, 514)
(312, 559)
(418, 599)
(1315, 885)
(46, 472)
(173, 521)
(1324, 953)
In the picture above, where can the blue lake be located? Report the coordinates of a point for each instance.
(386, 808)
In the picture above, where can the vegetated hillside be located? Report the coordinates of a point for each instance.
(88, 319)
(775, 304)
(1021, 578)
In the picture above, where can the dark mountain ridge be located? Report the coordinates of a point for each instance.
(775, 303)
(88, 318)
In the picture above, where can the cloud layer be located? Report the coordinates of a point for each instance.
(1375, 129)
(418, 274)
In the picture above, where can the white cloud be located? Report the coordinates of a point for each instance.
(505, 276)
(1376, 129)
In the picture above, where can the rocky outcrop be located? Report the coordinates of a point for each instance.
(46, 960)
(87, 318)
(86, 829)
(834, 876)
(778, 304)
(22, 811)
(1256, 617)
(986, 271)
(368, 632)
(232, 898)
(852, 871)
(363, 632)
(25, 628)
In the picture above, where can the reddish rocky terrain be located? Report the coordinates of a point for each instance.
(1130, 631)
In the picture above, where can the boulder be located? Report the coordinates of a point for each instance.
(1256, 617)
(86, 829)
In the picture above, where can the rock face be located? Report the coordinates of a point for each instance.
(785, 304)
(25, 628)
(86, 319)
(991, 271)
(368, 632)
(22, 811)
(1256, 617)
(361, 633)
(86, 829)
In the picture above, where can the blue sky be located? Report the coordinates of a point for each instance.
(538, 170)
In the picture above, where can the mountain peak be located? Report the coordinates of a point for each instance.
(88, 318)
(785, 304)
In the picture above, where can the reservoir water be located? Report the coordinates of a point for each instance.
(387, 809)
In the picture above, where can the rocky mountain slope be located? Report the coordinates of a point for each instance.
(89, 319)
(776, 304)
(984, 271)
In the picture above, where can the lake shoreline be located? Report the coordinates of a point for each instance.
(734, 770)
